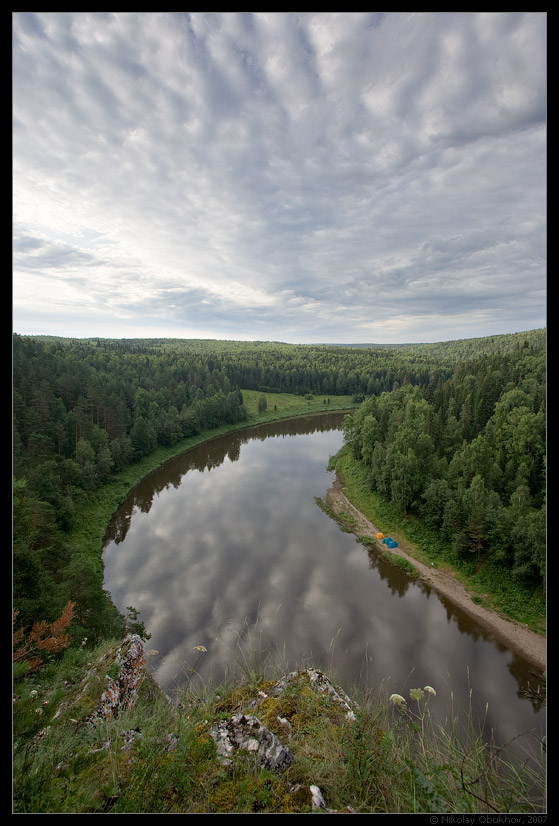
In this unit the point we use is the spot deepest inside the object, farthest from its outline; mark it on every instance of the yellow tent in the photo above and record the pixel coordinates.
(380, 536)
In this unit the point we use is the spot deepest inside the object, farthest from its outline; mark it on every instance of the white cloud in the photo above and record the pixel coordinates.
(306, 171)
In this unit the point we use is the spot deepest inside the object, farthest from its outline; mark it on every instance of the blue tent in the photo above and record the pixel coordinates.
(390, 542)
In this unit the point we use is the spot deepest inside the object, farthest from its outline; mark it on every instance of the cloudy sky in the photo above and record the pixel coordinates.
(291, 176)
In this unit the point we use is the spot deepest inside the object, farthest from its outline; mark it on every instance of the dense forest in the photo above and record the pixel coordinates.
(454, 432)
(467, 457)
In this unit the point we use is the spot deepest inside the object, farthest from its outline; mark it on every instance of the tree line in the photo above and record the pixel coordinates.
(469, 458)
(455, 432)
(81, 413)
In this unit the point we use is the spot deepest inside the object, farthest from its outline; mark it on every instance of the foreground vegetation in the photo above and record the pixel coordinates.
(158, 756)
(446, 452)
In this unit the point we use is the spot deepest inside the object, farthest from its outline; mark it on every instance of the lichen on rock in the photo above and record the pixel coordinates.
(320, 684)
(121, 689)
(244, 737)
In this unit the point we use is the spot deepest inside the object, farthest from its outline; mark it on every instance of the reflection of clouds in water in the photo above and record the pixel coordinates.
(241, 560)
(213, 545)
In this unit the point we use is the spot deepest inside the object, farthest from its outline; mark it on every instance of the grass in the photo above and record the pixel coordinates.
(345, 520)
(400, 562)
(284, 405)
(159, 757)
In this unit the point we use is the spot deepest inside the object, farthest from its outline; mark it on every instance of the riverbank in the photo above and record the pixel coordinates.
(90, 529)
(529, 645)
(94, 514)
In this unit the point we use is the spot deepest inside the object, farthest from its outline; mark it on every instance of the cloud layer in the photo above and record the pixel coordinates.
(278, 175)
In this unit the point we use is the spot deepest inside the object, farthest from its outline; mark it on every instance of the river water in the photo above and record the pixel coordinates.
(225, 547)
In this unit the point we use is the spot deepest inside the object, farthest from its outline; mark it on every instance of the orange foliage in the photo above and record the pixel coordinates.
(43, 637)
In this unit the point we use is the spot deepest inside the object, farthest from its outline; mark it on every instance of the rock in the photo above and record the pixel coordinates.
(122, 670)
(320, 684)
(312, 796)
(121, 690)
(130, 737)
(244, 736)
(317, 799)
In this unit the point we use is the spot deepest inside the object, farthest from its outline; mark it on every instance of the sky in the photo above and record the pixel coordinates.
(330, 177)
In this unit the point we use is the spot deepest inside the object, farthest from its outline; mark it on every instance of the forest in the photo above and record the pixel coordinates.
(454, 432)
(467, 458)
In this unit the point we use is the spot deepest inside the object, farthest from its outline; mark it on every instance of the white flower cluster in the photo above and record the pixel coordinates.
(415, 694)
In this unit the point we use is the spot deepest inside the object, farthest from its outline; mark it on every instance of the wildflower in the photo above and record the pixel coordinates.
(33, 693)
(397, 700)
(201, 648)
(430, 690)
(416, 694)
(152, 652)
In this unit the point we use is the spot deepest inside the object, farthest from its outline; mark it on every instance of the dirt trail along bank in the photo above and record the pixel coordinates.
(529, 645)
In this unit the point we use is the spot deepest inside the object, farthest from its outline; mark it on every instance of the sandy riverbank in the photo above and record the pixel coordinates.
(529, 645)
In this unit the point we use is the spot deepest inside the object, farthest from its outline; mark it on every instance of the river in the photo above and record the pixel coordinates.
(225, 548)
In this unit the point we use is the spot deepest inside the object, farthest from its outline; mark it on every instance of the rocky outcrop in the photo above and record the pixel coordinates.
(320, 684)
(120, 670)
(262, 732)
(126, 673)
(244, 737)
